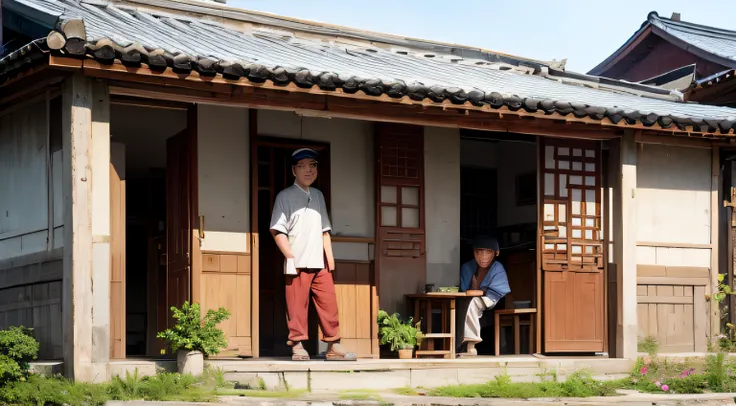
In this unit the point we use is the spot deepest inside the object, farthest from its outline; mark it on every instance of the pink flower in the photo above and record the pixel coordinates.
(643, 370)
(647, 360)
(665, 388)
(658, 384)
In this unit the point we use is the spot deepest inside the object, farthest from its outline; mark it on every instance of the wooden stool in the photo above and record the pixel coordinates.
(516, 314)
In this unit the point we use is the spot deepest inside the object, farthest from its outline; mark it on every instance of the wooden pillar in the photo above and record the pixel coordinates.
(624, 250)
(86, 186)
(715, 207)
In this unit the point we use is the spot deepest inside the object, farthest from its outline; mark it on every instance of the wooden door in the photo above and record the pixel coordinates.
(178, 221)
(400, 228)
(571, 241)
(117, 251)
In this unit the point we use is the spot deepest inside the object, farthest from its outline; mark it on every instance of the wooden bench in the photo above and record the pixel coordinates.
(516, 315)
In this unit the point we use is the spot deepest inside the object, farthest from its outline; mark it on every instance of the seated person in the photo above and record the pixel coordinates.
(486, 274)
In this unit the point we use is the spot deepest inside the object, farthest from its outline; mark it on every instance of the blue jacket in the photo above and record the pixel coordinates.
(495, 284)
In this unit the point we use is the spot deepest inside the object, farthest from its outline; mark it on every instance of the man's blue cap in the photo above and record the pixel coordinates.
(485, 242)
(304, 153)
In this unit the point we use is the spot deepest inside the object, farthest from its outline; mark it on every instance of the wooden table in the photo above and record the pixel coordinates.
(447, 302)
(516, 313)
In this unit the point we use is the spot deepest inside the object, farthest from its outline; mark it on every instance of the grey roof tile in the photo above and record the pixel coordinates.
(399, 71)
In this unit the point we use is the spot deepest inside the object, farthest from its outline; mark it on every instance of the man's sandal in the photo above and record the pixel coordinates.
(298, 353)
(336, 353)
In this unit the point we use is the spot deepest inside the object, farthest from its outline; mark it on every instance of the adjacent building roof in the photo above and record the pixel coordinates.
(214, 44)
(710, 43)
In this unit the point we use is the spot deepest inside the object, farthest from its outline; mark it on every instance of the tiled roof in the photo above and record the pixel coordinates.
(116, 32)
(715, 41)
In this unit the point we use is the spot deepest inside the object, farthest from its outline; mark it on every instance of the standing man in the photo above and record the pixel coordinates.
(300, 226)
(486, 274)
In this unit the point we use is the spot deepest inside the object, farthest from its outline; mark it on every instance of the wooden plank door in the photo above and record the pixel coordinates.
(571, 241)
(401, 265)
(178, 221)
(117, 251)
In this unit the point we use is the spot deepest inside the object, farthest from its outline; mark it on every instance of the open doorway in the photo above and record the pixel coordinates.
(498, 187)
(138, 225)
(273, 175)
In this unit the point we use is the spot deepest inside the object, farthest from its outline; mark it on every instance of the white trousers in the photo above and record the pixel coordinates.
(476, 308)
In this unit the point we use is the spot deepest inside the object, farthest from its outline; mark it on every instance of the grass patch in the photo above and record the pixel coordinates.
(360, 394)
(56, 390)
(579, 384)
(406, 391)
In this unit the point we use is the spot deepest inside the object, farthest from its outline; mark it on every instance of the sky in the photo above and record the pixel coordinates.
(584, 34)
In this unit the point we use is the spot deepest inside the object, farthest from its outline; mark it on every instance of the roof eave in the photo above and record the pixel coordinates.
(623, 50)
(693, 49)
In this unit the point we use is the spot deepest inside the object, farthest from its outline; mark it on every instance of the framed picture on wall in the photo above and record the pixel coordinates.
(526, 188)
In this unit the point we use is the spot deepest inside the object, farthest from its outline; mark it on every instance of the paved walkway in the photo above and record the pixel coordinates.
(395, 400)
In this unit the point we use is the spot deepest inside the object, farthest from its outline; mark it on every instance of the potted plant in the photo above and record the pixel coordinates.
(193, 337)
(401, 336)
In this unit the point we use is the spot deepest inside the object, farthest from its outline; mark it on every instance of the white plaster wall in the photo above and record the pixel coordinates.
(24, 194)
(673, 204)
(223, 163)
(442, 204)
(145, 145)
(352, 208)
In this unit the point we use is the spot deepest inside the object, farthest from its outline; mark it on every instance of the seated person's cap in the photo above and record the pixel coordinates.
(304, 153)
(485, 242)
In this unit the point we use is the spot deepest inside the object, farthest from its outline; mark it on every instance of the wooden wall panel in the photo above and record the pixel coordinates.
(355, 289)
(37, 306)
(226, 282)
(671, 307)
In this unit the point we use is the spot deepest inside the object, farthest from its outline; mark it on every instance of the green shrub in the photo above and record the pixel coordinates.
(17, 349)
(194, 333)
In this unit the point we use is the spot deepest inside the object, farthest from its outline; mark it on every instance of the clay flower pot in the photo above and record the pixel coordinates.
(190, 362)
(406, 353)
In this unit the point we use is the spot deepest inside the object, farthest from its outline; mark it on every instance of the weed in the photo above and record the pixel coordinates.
(648, 345)
(406, 391)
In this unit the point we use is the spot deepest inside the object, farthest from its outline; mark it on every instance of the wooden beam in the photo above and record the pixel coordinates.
(662, 139)
(218, 84)
(255, 309)
(149, 103)
(371, 111)
(672, 245)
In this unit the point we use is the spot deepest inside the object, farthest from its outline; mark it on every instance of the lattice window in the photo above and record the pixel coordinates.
(400, 158)
(571, 212)
(400, 190)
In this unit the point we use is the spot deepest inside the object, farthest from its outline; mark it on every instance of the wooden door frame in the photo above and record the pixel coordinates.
(195, 256)
(257, 140)
(196, 230)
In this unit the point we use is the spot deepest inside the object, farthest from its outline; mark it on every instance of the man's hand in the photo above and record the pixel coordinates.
(282, 241)
(327, 241)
